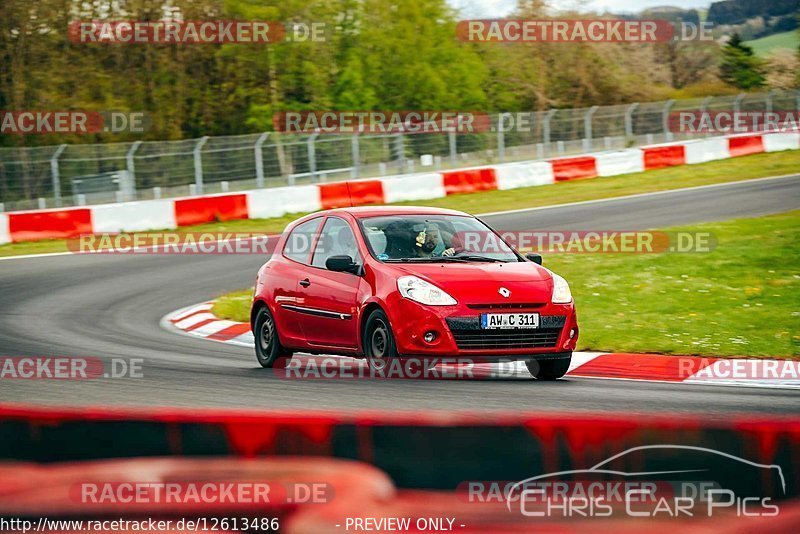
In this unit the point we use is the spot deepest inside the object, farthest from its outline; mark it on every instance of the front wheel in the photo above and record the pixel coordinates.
(378, 340)
(549, 369)
(268, 346)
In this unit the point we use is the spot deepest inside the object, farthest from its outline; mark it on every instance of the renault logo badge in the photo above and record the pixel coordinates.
(505, 292)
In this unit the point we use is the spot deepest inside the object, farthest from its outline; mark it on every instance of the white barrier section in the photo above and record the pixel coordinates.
(619, 162)
(5, 237)
(278, 201)
(413, 187)
(703, 150)
(133, 216)
(525, 174)
(775, 142)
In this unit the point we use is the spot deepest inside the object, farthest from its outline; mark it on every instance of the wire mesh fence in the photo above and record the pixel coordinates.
(68, 175)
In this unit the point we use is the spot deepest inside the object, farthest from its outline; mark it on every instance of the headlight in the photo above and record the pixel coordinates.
(561, 292)
(421, 291)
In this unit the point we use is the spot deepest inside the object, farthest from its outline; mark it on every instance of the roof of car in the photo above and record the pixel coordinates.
(374, 211)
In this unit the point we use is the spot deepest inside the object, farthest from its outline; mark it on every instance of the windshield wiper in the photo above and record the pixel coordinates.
(428, 259)
(436, 259)
(474, 257)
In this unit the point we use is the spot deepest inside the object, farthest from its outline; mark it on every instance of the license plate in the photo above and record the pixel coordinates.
(508, 321)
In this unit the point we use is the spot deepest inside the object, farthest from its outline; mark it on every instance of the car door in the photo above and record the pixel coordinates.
(327, 298)
(294, 267)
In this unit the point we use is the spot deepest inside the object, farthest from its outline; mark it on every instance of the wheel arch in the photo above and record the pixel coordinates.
(254, 309)
(366, 311)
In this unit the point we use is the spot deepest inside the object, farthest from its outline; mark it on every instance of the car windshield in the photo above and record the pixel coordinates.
(434, 238)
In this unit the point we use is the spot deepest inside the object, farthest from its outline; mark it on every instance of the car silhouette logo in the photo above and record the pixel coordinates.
(505, 292)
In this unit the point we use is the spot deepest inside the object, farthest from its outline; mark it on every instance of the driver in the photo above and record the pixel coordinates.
(429, 242)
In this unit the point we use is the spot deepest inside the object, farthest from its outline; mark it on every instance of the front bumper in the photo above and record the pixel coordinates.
(457, 332)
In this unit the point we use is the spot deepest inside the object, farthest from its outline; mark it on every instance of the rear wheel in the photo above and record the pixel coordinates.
(378, 340)
(549, 369)
(268, 346)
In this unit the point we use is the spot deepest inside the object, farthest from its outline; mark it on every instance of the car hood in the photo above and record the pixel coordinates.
(481, 283)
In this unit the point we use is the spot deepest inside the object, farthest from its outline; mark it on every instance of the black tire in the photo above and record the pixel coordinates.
(549, 369)
(378, 340)
(268, 346)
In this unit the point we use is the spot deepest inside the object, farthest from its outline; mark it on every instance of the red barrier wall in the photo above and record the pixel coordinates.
(664, 156)
(199, 210)
(744, 145)
(355, 193)
(469, 181)
(574, 168)
(56, 224)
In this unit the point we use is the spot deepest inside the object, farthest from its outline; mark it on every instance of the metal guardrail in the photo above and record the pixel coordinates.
(36, 177)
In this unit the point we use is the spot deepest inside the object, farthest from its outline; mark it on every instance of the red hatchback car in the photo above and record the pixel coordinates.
(388, 282)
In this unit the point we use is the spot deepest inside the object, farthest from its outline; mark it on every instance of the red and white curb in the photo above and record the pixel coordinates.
(198, 321)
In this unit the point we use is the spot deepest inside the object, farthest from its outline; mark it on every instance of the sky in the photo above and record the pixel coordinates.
(500, 8)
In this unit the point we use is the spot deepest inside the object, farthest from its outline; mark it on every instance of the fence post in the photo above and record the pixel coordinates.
(797, 99)
(665, 118)
(501, 137)
(260, 159)
(312, 157)
(768, 104)
(198, 165)
(55, 176)
(451, 138)
(587, 128)
(629, 120)
(354, 153)
(131, 182)
(401, 152)
(546, 129)
(737, 102)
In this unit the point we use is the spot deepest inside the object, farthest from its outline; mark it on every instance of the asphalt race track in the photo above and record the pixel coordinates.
(110, 306)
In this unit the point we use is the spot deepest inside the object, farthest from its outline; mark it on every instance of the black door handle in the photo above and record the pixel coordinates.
(305, 283)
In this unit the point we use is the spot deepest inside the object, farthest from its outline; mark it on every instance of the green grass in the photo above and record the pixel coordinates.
(766, 45)
(234, 306)
(731, 170)
(741, 299)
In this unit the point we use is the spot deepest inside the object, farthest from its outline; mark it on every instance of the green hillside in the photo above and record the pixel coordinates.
(766, 45)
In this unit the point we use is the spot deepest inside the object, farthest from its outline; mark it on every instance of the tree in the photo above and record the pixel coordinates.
(740, 67)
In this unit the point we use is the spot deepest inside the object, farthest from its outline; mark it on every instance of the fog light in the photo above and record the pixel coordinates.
(429, 337)
(572, 333)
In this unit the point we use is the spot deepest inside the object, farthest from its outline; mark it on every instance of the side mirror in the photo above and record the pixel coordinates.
(534, 257)
(342, 264)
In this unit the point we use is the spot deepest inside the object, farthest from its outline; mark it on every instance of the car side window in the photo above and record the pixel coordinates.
(300, 240)
(336, 239)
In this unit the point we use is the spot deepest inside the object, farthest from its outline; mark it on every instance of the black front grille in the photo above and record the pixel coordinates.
(469, 335)
(507, 339)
